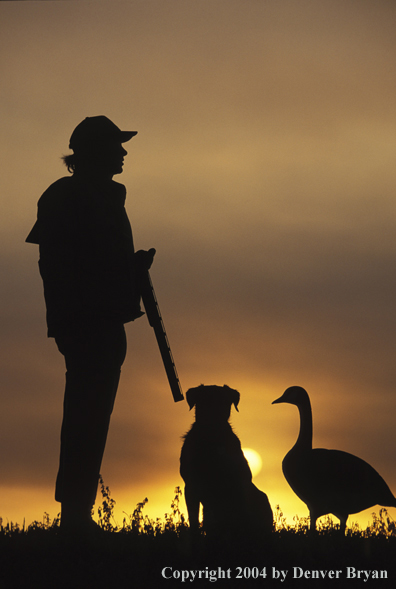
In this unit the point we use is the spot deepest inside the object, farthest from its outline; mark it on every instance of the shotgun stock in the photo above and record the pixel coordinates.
(155, 320)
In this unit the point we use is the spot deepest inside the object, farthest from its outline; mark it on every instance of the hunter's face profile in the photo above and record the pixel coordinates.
(110, 158)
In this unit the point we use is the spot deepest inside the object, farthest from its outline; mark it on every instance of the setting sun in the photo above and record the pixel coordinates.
(254, 460)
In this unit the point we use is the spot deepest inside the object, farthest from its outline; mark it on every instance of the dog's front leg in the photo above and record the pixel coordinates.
(192, 502)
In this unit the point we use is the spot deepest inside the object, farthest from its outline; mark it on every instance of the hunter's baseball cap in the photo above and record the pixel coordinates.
(97, 130)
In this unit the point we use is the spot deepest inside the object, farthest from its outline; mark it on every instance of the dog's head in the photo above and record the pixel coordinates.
(212, 402)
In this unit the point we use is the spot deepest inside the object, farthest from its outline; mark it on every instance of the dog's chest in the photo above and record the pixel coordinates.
(208, 454)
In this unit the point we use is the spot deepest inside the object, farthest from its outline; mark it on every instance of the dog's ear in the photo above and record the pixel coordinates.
(234, 396)
(192, 396)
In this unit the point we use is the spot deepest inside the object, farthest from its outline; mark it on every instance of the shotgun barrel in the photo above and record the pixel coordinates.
(155, 320)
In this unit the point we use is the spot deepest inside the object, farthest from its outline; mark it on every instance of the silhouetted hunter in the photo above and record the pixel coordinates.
(329, 481)
(88, 266)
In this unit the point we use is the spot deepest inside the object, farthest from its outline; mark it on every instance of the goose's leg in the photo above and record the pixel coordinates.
(343, 521)
(313, 518)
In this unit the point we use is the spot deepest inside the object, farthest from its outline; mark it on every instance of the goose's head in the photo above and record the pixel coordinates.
(293, 395)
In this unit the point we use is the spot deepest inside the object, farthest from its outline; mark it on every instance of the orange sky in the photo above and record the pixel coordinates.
(263, 173)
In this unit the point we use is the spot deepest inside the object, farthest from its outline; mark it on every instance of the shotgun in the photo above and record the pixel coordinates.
(155, 320)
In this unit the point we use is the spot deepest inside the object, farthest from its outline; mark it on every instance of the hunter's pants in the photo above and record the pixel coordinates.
(93, 356)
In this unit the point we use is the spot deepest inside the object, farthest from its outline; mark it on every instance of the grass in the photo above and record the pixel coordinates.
(135, 552)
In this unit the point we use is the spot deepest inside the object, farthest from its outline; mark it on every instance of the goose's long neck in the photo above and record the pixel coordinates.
(304, 440)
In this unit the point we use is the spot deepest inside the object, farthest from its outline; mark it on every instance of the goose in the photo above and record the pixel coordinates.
(329, 481)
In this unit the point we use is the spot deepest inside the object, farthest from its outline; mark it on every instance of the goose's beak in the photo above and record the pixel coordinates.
(280, 400)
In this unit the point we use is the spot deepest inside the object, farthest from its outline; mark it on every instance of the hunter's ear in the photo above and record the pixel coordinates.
(234, 396)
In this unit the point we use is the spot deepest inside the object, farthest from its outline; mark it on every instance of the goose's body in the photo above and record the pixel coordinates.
(329, 481)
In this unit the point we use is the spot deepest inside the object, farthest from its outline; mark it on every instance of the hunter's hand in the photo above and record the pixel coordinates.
(144, 258)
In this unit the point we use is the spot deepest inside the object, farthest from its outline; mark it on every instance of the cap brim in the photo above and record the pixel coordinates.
(127, 135)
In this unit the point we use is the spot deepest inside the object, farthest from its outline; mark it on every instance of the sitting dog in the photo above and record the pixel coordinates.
(216, 472)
